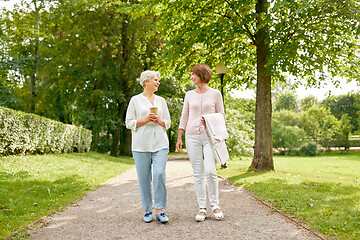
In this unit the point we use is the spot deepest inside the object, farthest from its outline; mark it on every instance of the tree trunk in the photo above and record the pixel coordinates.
(172, 142)
(32, 91)
(117, 134)
(263, 155)
(128, 44)
(125, 142)
(35, 65)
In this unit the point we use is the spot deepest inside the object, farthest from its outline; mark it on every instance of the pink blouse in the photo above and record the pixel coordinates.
(196, 105)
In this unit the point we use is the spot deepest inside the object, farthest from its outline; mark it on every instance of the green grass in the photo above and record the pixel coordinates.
(323, 192)
(34, 186)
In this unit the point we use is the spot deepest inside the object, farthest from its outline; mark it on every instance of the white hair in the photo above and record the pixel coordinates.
(147, 75)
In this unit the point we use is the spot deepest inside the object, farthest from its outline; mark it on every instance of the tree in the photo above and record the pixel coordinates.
(344, 132)
(320, 125)
(240, 126)
(347, 104)
(287, 135)
(346, 109)
(107, 46)
(22, 37)
(286, 100)
(90, 55)
(308, 102)
(263, 40)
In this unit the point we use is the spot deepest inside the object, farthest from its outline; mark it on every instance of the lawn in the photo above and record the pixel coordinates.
(34, 186)
(322, 191)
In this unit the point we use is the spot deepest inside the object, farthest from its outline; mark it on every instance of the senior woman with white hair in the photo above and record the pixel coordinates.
(150, 144)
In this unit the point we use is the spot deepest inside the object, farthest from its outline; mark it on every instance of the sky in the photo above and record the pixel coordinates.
(8, 4)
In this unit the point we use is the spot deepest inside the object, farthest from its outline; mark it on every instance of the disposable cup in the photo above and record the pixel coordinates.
(154, 110)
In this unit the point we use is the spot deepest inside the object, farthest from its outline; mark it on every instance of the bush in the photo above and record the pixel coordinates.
(309, 149)
(286, 133)
(241, 134)
(24, 133)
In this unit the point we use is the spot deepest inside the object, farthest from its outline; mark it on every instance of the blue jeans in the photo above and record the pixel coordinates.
(146, 163)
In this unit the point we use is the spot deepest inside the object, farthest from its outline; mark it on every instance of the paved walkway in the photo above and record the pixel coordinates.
(114, 212)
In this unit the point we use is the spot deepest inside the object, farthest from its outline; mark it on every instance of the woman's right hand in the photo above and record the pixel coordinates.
(151, 117)
(179, 145)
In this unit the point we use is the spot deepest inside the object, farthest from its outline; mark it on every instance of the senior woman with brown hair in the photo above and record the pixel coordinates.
(150, 144)
(202, 100)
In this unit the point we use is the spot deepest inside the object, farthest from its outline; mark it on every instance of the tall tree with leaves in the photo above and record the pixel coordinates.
(262, 40)
(90, 55)
(21, 43)
(107, 48)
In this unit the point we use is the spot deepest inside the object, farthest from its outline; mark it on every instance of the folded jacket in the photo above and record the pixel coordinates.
(216, 133)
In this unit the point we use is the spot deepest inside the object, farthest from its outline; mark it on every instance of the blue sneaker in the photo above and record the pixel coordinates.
(148, 217)
(162, 217)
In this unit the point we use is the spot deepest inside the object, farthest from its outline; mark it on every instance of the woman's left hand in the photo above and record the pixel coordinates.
(158, 120)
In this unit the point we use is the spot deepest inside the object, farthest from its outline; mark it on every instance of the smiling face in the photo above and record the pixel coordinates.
(195, 79)
(153, 83)
(200, 74)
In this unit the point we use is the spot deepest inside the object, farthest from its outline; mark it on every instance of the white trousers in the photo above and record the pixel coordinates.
(203, 164)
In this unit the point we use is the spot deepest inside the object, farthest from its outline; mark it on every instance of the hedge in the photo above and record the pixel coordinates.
(25, 133)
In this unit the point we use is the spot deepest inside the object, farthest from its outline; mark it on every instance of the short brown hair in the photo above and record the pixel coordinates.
(203, 71)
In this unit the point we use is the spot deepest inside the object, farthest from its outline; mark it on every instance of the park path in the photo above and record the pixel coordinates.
(114, 212)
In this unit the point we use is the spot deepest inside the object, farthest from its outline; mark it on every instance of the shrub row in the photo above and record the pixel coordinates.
(24, 133)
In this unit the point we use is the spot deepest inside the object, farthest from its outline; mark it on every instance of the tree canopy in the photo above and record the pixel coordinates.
(262, 42)
(77, 61)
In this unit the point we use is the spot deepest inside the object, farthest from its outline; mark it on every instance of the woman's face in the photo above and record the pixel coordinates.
(195, 78)
(153, 83)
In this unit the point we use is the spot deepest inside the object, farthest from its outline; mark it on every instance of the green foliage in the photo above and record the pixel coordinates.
(286, 100)
(323, 192)
(303, 41)
(84, 58)
(309, 44)
(354, 141)
(286, 138)
(187, 45)
(342, 140)
(32, 187)
(320, 125)
(263, 41)
(175, 108)
(6, 97)
(28, 133)
(309, 149)
(240, 126)
(288, 117)
(287, 135)
(348, 104)
(241, 134)
(294, 131)
(308, 102)
(315, 123)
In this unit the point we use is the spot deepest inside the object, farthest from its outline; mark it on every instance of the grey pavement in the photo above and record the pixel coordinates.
(114, 212)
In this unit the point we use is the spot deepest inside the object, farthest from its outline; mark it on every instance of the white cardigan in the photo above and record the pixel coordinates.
(216, 133)
(150, 137)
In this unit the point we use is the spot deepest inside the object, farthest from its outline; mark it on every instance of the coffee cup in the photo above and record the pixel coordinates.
(154, 110)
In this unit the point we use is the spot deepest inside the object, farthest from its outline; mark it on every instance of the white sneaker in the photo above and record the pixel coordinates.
(201, 218)
(219, 215)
